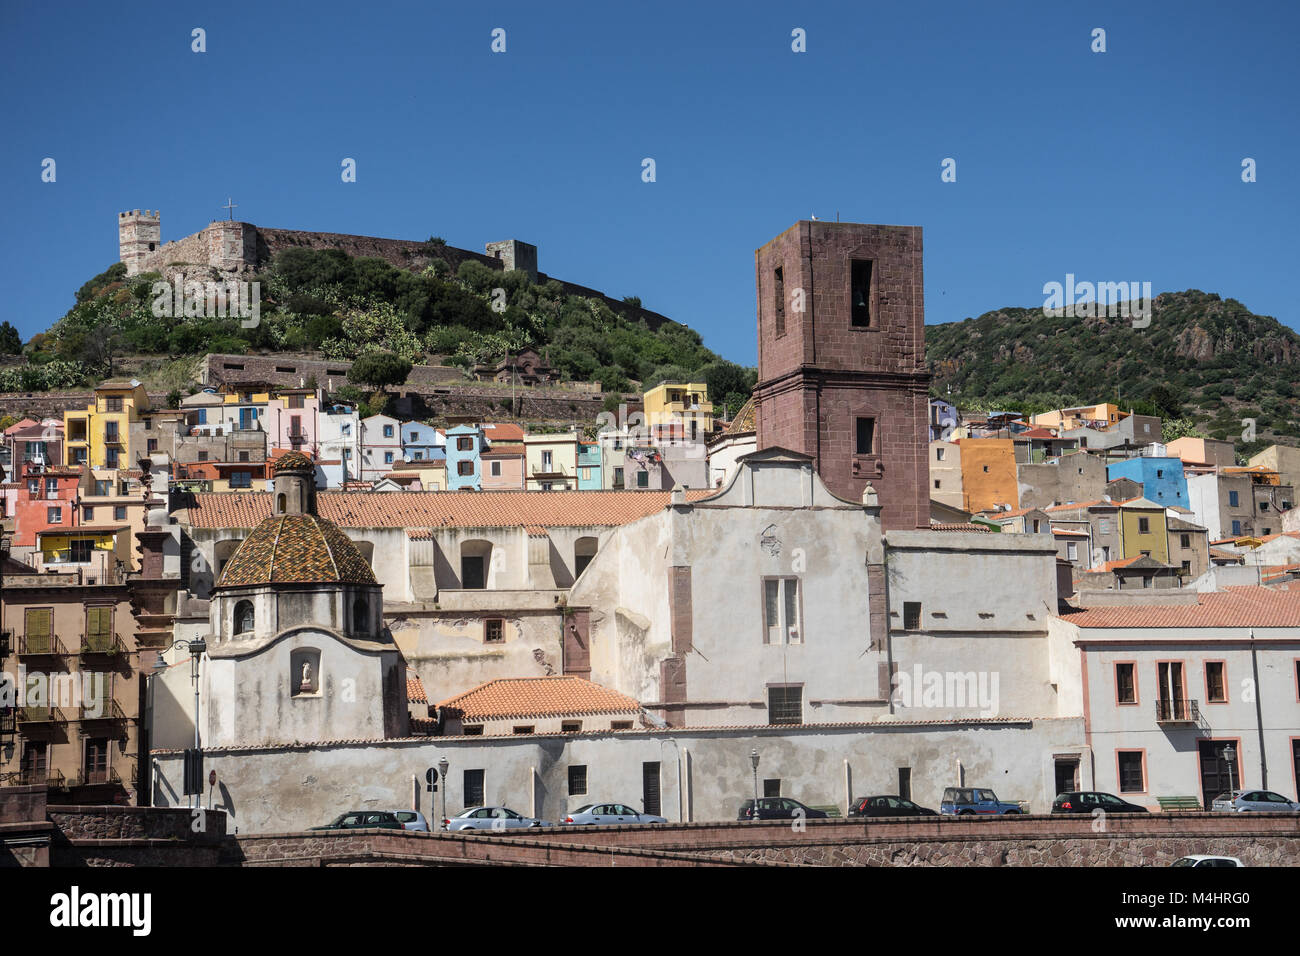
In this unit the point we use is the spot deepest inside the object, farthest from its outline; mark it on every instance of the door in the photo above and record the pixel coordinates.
(1171, 691)
(1067, 774)
(905, 783)
(1215, 775)
(471, 572)
(650, 788)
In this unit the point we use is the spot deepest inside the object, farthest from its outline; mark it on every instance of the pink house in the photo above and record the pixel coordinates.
(291, 420)
(503, 467)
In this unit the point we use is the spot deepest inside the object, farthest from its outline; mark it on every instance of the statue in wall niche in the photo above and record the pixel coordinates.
(306, 676)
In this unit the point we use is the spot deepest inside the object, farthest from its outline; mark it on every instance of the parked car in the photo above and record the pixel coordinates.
(597, 814)
(1200, 859)
(492, 818)
(888, 806)
(779, 808)
(975, 800)
(1241, 801)
(411, 819)
(363, 819)
(1086, 801)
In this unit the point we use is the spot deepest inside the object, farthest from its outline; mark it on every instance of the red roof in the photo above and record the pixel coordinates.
(415, 690)
(1234, 607)
(538, 697)
(503, 432)
(437, 509)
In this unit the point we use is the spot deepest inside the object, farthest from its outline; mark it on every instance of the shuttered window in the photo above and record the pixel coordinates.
(99, 621)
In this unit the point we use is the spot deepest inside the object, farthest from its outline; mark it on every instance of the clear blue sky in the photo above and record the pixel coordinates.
(1117, 166)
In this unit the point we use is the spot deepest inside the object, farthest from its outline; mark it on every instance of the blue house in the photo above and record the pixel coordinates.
(1162, 478)
(421, 442)
(589, 466)
(465, 447)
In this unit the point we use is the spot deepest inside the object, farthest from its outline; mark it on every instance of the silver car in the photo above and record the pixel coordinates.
(492, 818)
(596, 814)
(1240, 801)
(411, 820)
(1201, 859)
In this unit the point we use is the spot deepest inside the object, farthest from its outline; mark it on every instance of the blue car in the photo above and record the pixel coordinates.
(963, 801)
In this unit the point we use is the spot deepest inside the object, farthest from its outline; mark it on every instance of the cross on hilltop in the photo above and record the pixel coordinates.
(230, 204)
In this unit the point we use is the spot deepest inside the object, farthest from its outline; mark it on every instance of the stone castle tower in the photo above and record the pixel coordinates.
(841, 360)
(138, 235)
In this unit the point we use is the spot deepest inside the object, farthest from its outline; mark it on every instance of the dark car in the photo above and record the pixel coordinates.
(778, 808)
(364, 819)
(888, 806)
(1088, 801)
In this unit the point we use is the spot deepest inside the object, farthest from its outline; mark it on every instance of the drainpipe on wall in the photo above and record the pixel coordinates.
(1259, 713)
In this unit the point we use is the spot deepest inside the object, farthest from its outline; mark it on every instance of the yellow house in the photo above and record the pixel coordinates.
(1143, 530)
(551, 462)
(686, 406)
(1080, 416)
(988, 474)
(92, 549)
(101, 433)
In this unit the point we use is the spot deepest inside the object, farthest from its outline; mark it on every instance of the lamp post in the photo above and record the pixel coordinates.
(197, 648)
(442, 772)
(753, 760)
(1230, 755)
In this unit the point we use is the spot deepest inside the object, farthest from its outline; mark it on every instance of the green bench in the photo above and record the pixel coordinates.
(1168, 804)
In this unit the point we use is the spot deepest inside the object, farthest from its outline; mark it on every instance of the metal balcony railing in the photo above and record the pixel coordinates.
(41, 715)
(41, 645)
(102, 644)
(1176, 710)
(36, 776)
(108, 710)
(90, 778)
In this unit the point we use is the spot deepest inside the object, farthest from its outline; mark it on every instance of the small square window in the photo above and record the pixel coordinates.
(785, 705)
(119, 513)
(494, 631)
(570, 726)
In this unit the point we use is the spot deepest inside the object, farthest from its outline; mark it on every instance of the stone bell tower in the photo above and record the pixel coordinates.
(295, 485)
(841, 360)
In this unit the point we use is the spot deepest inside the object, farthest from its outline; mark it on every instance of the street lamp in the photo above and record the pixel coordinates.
(442, 772)
(197, 649)
(1230, 755)
(753, 760)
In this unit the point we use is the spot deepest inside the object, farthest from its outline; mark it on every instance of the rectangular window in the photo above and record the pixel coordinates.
(297, 401)
(772, 786)
(464, 468)
(866, 437)
(570, 726)
(241, 479)
(620, 725)
(1130, 772)
(152, 445)
(938, 454)
(87, 514)
(860, 293)
(781, 624)
(523, 729)
(1144, 525)
(1072, 550)
(494, 631)
(111, 457)
(474, 788)
(243, 456)
(785, 704)
(618, 477)
(82, 549)
(911, 615)
(388, 431)
(1216, 686)
(97, 759)
(54, 515)
(577, 780)
(936, 484)
(203, 456)
(388, 458)
(1184, 540)
(1236, 527)
(643, 479)
(464, 443)
(111, 433)
(99, 622)
(496, 469)
(37, 623)
(1126, 683)
(472, 572)
(1232, 499)
(113, 404)
(548, 461)
(475, 730)
(119, 513)
(778, 299)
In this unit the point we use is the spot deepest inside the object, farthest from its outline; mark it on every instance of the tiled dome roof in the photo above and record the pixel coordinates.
(293, 461)
(296, 549)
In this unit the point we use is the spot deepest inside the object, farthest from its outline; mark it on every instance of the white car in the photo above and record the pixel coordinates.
(1200, 859)
(1241, 801)
(411, 820)
(607, 813)
(492, 818)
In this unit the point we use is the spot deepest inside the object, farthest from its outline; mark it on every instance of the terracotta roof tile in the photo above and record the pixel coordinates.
(511, 698)
(415, 690)
(1234, 607)
(299, 549)
(743, 423)
(436, 509)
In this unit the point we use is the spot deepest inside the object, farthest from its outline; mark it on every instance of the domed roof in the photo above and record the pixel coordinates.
(293, 461)
(296, 549)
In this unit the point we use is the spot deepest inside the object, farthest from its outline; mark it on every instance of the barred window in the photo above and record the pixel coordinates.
(577, 780)
(785, 704)
(912, 615)
(473, 788)
(494, 631)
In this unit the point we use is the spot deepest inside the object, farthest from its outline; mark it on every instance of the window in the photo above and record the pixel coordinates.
(119, 513)
(785, 704)
(111, 457)
(419, 456)
(87, 514)
(96, 765)
(360, 616)
(347, 454)
(866, 437)
(618, 477)
(939, 453)
(388, 458)
(1131, 777)
(781, 623)
(620, 725)
(241, 479)
(99, 624)
(81, 550)
(464, 443)
(643, 479)
(37, 624)
(113, 404)
(297, 401)
(1236, 527)
(1184, 540)
(1216, 686)
(475, 730)
(778, 299)
(111, 433)
(494, 631)
(345, 428)
(244, 617)
(152, 445)
(911, 615)
(936, 483)
(577, 780)
(473, 788)
(464, 468)
(1160, 472)
(1145, 554)
(1187, 567)
(1233, 501)
(570, 726)
(472, 568)
(496, 469)
(772, 787)
(548, 461)
(1126, 683)
(203, 456)
(523, 729)
(243, 456)
(1263, 506)
(1144, 525)
(388, 431)
(54, 515)
(1072, 550)
(986, 469)
(860, 293)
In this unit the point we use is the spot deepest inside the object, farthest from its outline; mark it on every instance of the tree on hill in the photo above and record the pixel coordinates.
(379, 370)
(11, 342)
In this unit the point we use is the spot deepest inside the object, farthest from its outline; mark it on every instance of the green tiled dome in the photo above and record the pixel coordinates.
(296, 549)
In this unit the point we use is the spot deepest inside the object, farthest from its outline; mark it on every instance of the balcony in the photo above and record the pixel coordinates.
(41, 717)
(550, 471)
(108, 711)
(40, 645)
(91, 778)
(1177, 711)
(36, 776)
(104, 644)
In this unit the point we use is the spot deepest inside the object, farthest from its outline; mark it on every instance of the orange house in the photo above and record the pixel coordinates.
(988, 474)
